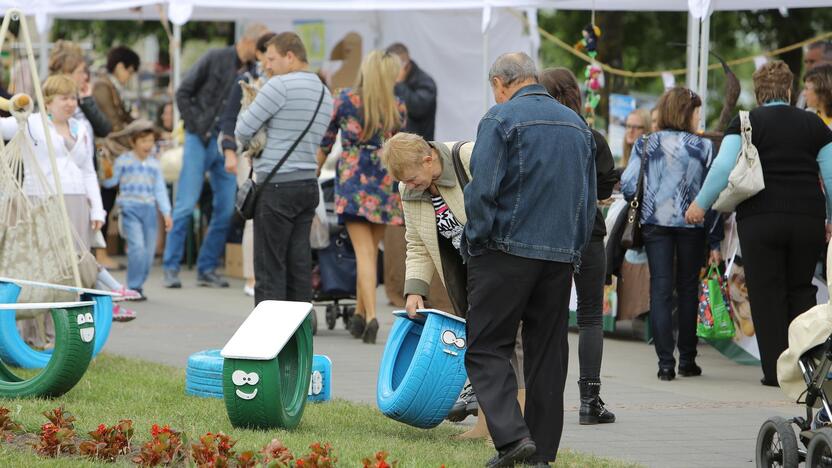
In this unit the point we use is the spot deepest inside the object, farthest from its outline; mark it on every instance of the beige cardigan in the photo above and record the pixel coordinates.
(420, 221)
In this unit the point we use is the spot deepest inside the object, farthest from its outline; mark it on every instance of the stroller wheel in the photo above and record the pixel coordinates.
(777, 444)
(347, 312)
(331, 316)
(819, 451)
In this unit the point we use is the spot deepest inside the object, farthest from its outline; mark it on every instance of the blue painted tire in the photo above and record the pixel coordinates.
(202, 382)
(421, 375)
(202, 394)
(208, 360)
(15, 352)
(203, 375)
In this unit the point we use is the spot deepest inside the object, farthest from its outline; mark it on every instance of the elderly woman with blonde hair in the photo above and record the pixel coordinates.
(432, 177)
(365, 201)
(781, 229)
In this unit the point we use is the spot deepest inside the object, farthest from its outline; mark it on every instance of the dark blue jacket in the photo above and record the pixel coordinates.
(533, 187)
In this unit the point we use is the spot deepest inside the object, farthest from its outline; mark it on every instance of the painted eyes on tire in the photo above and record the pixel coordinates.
(84, 318)
(449, 338)
(240, 377)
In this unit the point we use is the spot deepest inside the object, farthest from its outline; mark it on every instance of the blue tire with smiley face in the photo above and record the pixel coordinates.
(270, 394)
(15, 352)
(422, 369)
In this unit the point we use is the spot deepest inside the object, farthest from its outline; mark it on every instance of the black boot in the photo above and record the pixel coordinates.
(592, 407)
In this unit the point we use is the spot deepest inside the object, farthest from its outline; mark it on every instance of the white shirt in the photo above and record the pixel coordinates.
(75, 168)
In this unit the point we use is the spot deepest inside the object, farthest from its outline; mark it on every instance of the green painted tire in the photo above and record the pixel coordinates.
(70, 358)
(276, 397)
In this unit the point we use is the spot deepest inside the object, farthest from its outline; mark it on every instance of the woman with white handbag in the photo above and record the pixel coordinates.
(771, 177)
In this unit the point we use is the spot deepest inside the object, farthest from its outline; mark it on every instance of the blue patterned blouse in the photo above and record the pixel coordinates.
(677, 163)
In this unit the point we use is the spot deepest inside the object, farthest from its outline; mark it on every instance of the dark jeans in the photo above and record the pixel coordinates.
(779, 253)
(282, 255)
(504, 290)
(589, 284)
(687, 247)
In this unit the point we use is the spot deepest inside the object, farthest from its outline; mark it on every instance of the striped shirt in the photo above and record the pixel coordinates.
(285, 105)
(139, 181)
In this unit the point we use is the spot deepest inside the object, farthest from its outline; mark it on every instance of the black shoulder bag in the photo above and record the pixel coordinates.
(461, 175)
(248, 193)
(631, 237)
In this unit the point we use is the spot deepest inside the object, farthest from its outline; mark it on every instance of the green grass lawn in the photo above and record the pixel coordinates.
(117, 388)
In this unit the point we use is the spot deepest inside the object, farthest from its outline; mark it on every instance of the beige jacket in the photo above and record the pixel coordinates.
(420, 221)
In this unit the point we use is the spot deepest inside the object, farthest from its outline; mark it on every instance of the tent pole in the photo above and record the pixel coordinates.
(704, 48)
(485, 66)
(43, 50)
(177, 68)
(693, 51)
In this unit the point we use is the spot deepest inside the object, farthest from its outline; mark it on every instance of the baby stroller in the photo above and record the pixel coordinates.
(776, 441)
(333, 269)
(803, 372)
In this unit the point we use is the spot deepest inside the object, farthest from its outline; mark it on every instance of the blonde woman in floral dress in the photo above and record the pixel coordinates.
(365, 198)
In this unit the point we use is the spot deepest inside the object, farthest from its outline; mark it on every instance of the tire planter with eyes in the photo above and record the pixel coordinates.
(267, 367)
(13, 349)
(74, 335)
(422, 369)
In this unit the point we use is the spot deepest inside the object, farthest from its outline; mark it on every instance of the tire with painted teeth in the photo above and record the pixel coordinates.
(270, 394)
(15, 352)
(69, 360)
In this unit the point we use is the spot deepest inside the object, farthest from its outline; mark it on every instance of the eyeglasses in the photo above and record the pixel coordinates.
(634, 127)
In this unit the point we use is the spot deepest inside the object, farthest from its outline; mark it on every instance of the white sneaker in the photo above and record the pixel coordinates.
(248, 290)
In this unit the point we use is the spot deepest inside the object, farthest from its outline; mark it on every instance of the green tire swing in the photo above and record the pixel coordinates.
(268, 365)
(74, 343)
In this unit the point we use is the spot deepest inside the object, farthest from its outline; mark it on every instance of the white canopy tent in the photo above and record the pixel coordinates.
(454, 40)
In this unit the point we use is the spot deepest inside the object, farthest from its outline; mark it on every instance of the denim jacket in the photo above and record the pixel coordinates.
(677, 163)
(532, 192)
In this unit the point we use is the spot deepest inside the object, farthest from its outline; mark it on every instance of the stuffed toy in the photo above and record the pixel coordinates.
(590, 33)
(256, 145)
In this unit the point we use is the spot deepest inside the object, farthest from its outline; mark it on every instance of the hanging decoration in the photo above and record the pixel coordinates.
(593, 73)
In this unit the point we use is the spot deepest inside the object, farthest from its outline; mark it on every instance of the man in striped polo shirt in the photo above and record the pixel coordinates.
(283, 217)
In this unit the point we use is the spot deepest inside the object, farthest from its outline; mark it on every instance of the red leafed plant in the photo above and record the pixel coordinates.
(276, 455)
(107, 443)
(166, 447)
(8, 426)
(320, 456)
(379, 461)
(247, 459)
(213, 450)
(58, 435)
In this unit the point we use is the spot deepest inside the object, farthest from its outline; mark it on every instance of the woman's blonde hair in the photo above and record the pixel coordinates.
(772, 82)
(57, 85)
(646, 122)
(375, 86)
(404, 151)
(821, 79)
(65, 58)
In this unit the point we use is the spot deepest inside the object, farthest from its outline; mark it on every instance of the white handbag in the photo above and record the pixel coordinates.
(746, 178)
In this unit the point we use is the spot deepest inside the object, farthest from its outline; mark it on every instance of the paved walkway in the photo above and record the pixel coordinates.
(708, 421)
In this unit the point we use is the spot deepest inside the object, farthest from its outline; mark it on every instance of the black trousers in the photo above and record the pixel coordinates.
(589, 285)
(779, 253)
(282, 255)
(504, 290)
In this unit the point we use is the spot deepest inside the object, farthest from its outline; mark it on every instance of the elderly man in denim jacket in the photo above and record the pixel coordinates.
(530, 208)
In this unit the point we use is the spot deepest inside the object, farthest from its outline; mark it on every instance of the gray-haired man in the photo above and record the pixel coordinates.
(530, 213)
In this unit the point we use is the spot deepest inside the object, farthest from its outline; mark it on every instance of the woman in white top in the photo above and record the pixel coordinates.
(73, 145)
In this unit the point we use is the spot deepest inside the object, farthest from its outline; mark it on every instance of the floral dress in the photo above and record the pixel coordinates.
(363, 188)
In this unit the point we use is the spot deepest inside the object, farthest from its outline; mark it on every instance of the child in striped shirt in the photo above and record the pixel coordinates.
(141, 190)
